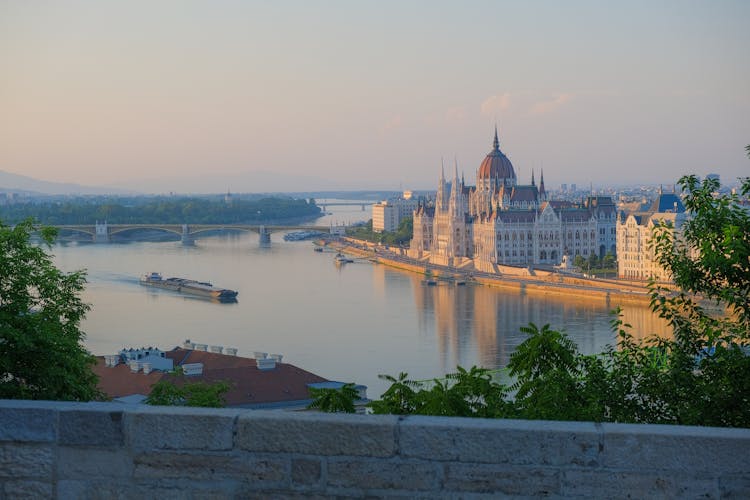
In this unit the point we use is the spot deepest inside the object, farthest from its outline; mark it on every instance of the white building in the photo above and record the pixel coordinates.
(636, 258)
(387, 214)
(500, 222)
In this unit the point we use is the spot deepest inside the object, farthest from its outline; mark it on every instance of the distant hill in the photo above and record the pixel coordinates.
(28, 185)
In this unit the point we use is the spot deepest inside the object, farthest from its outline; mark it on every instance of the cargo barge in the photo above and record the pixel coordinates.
(183, 285)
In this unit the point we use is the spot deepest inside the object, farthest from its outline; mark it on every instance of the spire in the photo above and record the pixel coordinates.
(496, 142)
(532, 178)
(542, 194)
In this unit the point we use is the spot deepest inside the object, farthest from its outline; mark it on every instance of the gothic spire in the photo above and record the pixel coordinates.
(532, 178)
(496, 142)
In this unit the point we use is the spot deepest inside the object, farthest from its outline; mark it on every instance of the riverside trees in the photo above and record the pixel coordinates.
(700, 376)
(41, 352)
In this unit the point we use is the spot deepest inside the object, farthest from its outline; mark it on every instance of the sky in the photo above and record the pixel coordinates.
(215, 95)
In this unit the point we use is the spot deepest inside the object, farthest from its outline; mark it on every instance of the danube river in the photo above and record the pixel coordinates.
(347, 323)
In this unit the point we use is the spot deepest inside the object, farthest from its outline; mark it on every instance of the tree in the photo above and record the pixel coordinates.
(41, 351)
(202, 394)
(339, 400)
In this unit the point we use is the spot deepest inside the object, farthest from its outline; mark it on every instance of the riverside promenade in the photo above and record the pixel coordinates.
(536, 281)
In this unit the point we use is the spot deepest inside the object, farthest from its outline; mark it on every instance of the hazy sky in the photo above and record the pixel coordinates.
(372, 93)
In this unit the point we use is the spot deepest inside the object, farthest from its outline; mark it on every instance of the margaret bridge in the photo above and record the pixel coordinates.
(101, 232)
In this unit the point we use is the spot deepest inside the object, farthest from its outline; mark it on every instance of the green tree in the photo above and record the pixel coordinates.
(339, 400)
(41, 351)
(201, 394)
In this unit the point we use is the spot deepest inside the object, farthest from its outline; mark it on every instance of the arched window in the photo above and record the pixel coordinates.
(578, 235)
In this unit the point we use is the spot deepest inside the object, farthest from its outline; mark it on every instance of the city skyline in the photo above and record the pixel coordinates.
(191, 96)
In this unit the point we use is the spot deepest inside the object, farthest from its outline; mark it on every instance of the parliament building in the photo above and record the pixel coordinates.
(501, 222)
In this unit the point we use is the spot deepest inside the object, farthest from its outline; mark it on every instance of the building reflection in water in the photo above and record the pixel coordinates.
(481, 325)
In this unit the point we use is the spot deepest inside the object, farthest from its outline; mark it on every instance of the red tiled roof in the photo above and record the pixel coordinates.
(249, 385)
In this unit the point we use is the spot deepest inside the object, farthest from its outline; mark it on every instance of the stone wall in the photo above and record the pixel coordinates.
(108, 450)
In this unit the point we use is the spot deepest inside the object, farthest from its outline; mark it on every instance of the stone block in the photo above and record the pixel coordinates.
(29, 420)
(151, 428)
(211, 466)
(369, 474)
(317, 433)
(502, 479)
(18, 490)
(705, 450)
(27, 461)
(520, 442)
(735, 486)
(95, 489)
(99, 425)
(306, 471)
(642, 483)
(82, 463)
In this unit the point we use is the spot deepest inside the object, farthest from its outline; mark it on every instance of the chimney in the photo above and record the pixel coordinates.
(266, 364)
(146, 368)
(217, 349)
(276, 357)
(260, 355)
(201, 347)
(231, 351)
(135, 366)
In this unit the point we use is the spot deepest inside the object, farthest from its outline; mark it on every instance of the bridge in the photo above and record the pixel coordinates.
(101, 232)
(323, 205)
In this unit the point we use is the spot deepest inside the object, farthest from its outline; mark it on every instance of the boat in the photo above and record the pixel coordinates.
(342, 259)
(301, 235)
(318, 249)
(183, 285)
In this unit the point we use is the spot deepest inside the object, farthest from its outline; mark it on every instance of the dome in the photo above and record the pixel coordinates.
(496, 165)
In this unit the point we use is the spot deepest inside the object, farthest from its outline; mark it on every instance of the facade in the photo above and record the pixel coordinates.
(387, 214)
(635, 232)
(502, 222)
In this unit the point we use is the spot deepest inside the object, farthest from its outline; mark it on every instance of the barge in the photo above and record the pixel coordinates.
(183, 285)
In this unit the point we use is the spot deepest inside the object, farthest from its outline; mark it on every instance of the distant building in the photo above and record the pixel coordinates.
(387, 214)
(259, 382)
(502, 222)
(636, 258)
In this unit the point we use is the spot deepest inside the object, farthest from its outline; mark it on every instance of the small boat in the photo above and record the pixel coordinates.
(183, 285)
(318, 249)
(342, 259)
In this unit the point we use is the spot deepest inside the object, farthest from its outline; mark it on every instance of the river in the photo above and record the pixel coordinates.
(347, 323)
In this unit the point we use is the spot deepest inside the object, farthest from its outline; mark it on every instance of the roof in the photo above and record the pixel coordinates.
(496, 165)
(250, 386)
(524, 193)
(667, 202)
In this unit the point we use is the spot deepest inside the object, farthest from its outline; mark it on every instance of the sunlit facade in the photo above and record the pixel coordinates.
(500, 222)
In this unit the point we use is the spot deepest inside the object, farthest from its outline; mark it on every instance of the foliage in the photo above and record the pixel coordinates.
(339, 400)
(163, 210)
(167, 393)
(700, 376)
(41, 351)
(401, 236)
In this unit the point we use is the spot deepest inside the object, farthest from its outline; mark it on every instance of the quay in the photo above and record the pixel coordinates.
(537, 281)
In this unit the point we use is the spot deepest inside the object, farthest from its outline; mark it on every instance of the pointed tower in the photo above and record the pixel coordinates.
(456, 204)
(440, 200)
(542, 193)
(532, 178)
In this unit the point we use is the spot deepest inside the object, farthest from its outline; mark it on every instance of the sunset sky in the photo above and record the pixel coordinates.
(371, 94)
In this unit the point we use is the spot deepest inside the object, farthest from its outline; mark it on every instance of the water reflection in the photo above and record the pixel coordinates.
(476, 324)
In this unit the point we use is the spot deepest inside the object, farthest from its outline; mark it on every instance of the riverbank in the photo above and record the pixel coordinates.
(538, 281)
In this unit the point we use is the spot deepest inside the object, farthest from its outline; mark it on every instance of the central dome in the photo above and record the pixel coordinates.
(496, 165)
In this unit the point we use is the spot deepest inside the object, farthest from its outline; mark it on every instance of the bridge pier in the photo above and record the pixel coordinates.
(264, 236)
(101, 232)
(187, 238)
